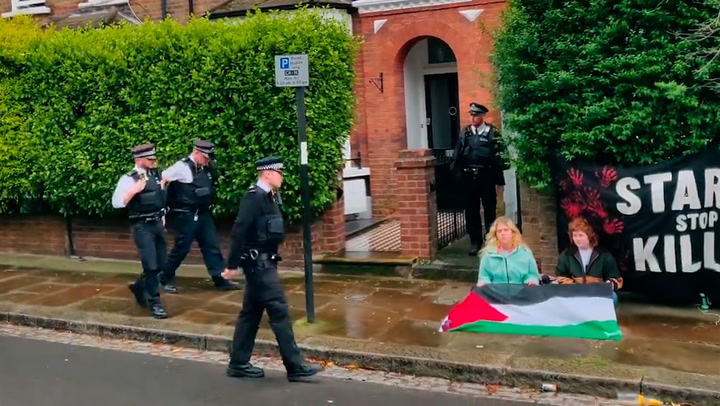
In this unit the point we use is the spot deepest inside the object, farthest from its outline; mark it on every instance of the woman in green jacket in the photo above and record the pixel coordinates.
(505, 258)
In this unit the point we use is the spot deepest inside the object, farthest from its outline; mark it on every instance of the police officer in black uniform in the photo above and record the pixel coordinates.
(478, 164)
(141, 192)
(191, 183)
(257, 233)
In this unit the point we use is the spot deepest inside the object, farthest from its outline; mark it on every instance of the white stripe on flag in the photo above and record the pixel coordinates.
(560, 311)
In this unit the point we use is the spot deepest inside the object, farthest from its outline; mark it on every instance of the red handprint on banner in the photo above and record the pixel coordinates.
(613, 226)
(607, 176)
(572, 207)
(576, 177)
(564, 185)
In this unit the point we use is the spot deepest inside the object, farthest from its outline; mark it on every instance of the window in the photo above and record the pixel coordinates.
(27, 7)
(439, 51)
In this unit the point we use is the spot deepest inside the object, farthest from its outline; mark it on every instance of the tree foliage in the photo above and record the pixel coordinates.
(73, 103)
(616, 81)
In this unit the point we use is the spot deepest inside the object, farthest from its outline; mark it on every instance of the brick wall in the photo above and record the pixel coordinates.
(539, 226)
(383, 129)
(110, 238)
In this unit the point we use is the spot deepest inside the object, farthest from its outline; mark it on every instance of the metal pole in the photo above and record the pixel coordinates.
(307, 213)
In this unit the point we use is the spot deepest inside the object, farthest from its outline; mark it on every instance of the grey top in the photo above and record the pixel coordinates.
(179, 171)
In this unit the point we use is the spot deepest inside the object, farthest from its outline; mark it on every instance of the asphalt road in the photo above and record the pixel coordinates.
(40, 373)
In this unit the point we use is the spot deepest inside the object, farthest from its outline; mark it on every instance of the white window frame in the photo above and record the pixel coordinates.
(27, 7)
(99, 3)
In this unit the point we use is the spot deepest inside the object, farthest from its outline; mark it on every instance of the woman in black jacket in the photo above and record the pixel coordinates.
(585, 262)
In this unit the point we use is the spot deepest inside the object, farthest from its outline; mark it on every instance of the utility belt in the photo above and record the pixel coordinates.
(197, 212)
(149, 218)
(476, 169)
(255, 255)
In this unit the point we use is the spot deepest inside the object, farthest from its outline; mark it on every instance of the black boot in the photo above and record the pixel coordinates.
(224, 284)
(139, 294)
(168, 284)
(474, 249)
(245, 371)
(158, 311)
(303, 371)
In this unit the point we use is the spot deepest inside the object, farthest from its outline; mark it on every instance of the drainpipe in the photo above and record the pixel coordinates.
(163, 9)
(191, 7)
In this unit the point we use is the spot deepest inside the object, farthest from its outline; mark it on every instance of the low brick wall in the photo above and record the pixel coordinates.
(110, 238)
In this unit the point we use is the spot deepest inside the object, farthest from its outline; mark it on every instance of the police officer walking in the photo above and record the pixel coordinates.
(191, 191)
(478, 164)
(257, 233)
(141, 192)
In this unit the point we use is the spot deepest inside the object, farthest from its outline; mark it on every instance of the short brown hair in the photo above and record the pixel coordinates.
(580, 224)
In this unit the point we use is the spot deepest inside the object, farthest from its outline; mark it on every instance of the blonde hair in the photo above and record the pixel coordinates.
(491, 240)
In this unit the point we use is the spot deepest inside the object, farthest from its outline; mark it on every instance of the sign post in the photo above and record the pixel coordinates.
(294, 71)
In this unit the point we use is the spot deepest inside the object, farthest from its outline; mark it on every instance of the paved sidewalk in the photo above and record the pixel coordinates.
(387, 316)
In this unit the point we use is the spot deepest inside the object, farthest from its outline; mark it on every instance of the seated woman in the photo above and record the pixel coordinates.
(505, 258)
(585, 262)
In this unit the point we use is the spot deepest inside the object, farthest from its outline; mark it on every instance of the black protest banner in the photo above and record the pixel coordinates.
(659, 221)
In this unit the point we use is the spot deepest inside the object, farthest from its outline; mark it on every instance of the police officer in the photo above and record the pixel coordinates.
(191, 184)
(478, 164)
(258, 231)
(141, 192)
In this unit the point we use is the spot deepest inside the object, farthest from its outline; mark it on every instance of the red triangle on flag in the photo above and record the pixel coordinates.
(472, 309)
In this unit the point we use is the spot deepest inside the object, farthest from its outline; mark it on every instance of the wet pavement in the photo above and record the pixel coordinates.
(55, 374)
(389, 315)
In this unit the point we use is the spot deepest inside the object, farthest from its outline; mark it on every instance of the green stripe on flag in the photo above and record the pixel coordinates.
(593, 330)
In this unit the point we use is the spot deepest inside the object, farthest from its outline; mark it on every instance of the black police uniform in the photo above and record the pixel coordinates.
(479, 166)
(190, 218)
(145, 211)
(257, 233)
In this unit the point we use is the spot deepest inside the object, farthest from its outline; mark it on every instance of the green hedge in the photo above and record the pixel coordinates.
(72, 103)
(617, 81)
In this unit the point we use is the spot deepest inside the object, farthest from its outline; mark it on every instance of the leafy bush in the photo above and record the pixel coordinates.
(86, 97)
(612, 80)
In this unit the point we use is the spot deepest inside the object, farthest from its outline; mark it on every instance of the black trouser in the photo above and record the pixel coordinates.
(149, 238)
(479, 187)
(263, 291)
(187, 230)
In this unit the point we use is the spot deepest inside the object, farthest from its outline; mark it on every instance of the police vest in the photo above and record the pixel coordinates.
(269, 230)
(479, 149)
(150, 201)
(196, 195)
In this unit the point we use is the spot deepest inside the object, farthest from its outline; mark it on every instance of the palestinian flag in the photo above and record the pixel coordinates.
(577, 311)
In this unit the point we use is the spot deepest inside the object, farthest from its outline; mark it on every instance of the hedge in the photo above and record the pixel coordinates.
(73, 103)
(617, 81)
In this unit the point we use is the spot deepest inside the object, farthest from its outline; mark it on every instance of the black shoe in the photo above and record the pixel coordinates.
(139, 295)
(224, 284)
(158, 311)
(245, 371)
(170, 288)
(474, 249)
(303, 371)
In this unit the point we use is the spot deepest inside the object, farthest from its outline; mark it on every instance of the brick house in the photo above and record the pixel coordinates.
(422, 62)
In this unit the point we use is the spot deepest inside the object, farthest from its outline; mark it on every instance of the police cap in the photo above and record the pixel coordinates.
(206, 147)
(144, 151)
(477, 109)
(269, 164)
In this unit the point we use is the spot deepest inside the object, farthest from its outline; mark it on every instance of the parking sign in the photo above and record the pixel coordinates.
(292, 71)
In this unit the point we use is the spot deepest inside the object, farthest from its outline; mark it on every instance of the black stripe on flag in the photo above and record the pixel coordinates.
(504, 293)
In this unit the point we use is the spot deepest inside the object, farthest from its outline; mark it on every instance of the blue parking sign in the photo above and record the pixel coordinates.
(284, 63)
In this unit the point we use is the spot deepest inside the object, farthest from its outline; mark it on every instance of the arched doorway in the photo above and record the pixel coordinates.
(432, 116)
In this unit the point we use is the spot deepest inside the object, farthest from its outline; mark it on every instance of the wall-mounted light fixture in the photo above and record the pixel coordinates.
(378, 82)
